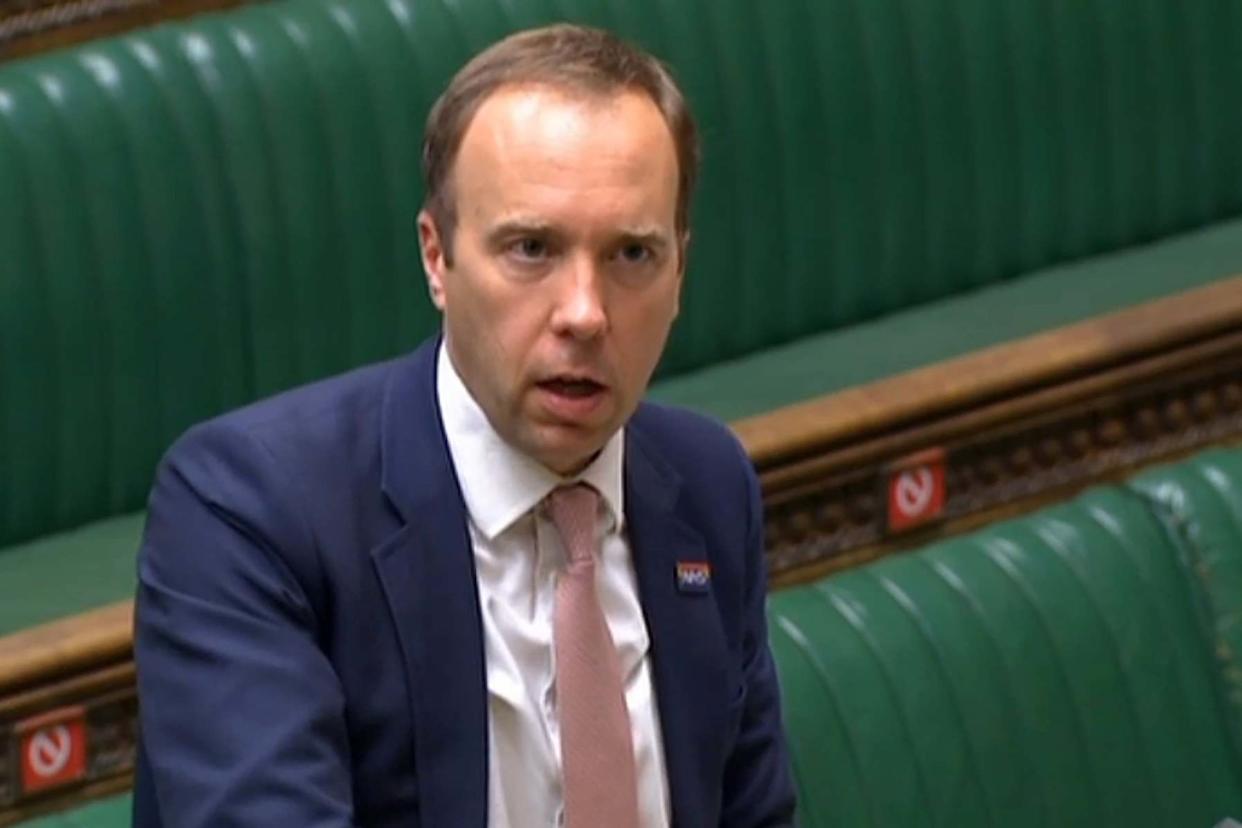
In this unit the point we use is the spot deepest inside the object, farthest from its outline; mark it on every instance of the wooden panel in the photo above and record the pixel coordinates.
(72, 679)
(92, 717)
(68, 646)
(30, 26)
(1011, 427)
(1005, 372)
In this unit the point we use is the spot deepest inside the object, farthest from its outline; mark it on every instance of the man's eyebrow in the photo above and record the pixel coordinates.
(520, 227)
(517, 227)
(652, 238)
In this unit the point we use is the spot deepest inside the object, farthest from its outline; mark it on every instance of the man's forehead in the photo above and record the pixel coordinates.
(538, 138)
(539, 117)
(553, 108)
(529, 96)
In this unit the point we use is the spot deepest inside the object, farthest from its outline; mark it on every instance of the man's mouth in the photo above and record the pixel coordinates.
(572, 387)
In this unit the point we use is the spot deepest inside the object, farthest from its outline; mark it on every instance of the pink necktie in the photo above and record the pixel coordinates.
(597, 752)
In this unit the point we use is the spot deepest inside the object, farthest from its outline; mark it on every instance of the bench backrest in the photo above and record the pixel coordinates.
(1199, 502)
(202, 213)
(1069, 668)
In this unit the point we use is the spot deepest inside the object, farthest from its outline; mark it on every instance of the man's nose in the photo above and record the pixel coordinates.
(580, 310)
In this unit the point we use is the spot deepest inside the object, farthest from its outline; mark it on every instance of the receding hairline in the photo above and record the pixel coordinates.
(587, 96)
(562, 93)
(636, 154)
(580, 63)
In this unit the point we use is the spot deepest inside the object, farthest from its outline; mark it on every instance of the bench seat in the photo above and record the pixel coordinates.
(1077, 667)
(68, 573)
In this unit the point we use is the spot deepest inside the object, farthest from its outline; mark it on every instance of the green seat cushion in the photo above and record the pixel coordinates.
(114, 812)
(68, 573)
(940, 330)
(1200, 502)
(1044, 671)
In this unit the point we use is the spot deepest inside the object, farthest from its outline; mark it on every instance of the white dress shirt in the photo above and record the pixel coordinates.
(517, 555)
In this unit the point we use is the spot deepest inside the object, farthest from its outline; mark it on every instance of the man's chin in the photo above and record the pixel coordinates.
(566, 451)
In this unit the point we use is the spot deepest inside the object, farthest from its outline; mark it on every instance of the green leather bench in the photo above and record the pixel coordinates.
(1078, 667)
(202, 213)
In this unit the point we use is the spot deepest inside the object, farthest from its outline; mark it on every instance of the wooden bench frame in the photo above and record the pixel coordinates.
(77, 671)
(1002, 431)
(27, 27)
(846, 478)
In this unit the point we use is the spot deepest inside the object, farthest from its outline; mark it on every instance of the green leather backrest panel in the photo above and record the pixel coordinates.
(202, 213)
(122, 307)
(195, 216)
(1046, 672)
(1200, 503)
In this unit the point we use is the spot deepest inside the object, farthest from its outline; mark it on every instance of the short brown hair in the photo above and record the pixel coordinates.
(564, 55)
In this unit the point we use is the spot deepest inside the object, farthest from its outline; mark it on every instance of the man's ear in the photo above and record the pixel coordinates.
(434, 257)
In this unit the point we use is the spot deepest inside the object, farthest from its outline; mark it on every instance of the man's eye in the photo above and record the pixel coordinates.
(529, 248)
(634, 253)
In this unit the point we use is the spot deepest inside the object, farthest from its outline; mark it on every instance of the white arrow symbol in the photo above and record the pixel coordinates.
(50, 750)
(914, 491)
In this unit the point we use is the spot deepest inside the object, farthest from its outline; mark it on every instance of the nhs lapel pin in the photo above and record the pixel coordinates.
(694, 577)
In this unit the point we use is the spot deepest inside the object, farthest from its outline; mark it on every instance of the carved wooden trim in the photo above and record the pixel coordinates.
(30, 26)
(977, 438)
(1010, 428)
(64, 647)
(80, 734)
(72, 679)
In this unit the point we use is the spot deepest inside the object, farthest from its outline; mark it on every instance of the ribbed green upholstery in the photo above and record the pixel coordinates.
(1049, 671)
(197, 225)
(1200, 502)
(198, 214)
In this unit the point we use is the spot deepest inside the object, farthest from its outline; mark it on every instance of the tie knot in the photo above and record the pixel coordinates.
(573, 511)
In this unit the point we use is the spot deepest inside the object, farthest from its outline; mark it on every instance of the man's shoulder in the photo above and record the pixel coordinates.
(320, 417)
(687, 440)
(670, 421)
(356, 390)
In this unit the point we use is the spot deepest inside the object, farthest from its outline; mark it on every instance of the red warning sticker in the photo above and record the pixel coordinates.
(53, 749)
(916, 490)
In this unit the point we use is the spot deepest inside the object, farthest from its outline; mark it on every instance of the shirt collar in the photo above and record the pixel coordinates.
(498, 482)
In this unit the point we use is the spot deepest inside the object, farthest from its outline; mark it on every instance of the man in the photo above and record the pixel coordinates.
(480, 585)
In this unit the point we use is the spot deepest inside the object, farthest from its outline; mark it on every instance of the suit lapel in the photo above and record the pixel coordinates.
(427, 572)
(693, 673)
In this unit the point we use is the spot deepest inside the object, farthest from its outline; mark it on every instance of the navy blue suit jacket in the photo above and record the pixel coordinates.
(308, 637)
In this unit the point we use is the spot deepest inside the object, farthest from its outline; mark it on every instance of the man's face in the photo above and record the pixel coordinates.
(567, 265)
